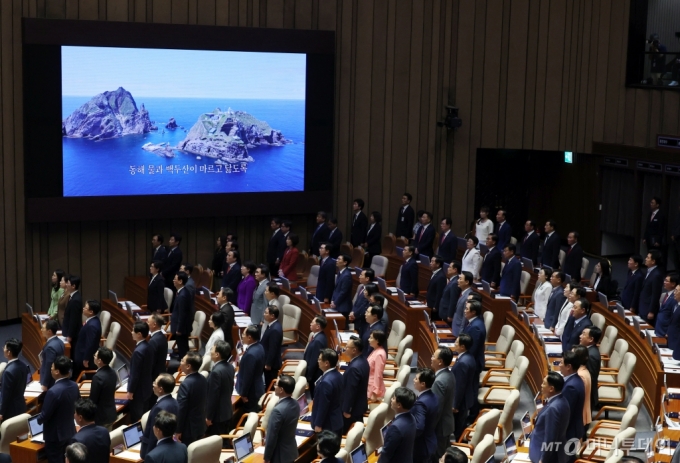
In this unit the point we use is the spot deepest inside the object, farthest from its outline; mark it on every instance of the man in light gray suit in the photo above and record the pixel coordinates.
(444, 388)
(281, 446)
(259, 299)
(465, 285)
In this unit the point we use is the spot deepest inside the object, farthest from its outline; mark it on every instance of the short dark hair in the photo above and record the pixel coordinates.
(158, 318)
(445, 355)
(474, 239)
(105, 355)
(511, 247)
(250, 266)
(494, 237)
(328, 443)
(376, 310)
(188, 268)
(330, 356)
(157, 264)
(465, 340)
(657, 199)
(346, 258)
(166, 382)
(595, 333)
(455, 455)
(273, 311)
(63, 364)
(377, 216)
(276, 220)
(548, 272)
(264, 269)
(410, 198)
(228, 293)
(438, 260)
(194, 360)
(183, 277)
(360, 203)
(475, 296)
(371, 288)
(405, 397)
(76, 453)
(637, 258)
(585, 304)
(370, 273)
(468, 276)
(426, 375)
(556, 380)
(166, 423)
(575, 233)
(502, 211)
(322, 214)
(217, 319)
(673, 278)
(141, 327)
(159, 237)
(333, 220)
(86, 408)
(14, 346)
(655, 255)
(253, 332)
(74, 281)
(94, 306)
(357, 343)
(457, 266)
(287, 223)
(380, 337)
(222, 348)
(274, 288)
(379, 299)
(582, 353)
(52, 325)
(558, 274)
(552, 223)
(476, 307)
(327, 246)
(410, 248)
(177, 237)
(571, 358)
(293, 238)
(287, 383)
(532, 224)
(447, 220)
(321, 321)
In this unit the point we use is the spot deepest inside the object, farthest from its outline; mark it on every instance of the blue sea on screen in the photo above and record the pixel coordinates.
(103, 168)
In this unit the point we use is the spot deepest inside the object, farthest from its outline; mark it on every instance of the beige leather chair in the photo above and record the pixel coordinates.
(561, 258)
(283, 300)
(290, 323)
(609, 337)
(313, 277)
(168, 296)
(207, 364)
(598, 320)
(485, 450)
(608, 429)
(635, 399)
(204, 450)
(396, 355)
(491, 394)
(615, 393)
(488, 322)
(516, 350)
(105, 320)
(116, 436)
(11, 428)
(300, 387)
(195, 342)
(584, 267)
(268, 408)
(600, 450)
(353, 438)
(402, 377)
(501, 347)
(294, 368)
(505, 421)
(251, 425)
(112, 337)
(391, 368)
(524, 280)
(485, 427)
(3, 365)
(144, 419)
(397, 333)
(372, 434)
(615, 361)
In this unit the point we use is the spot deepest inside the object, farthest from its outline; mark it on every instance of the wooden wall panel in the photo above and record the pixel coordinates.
(526, 74)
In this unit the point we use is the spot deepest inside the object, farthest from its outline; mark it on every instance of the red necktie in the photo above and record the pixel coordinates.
(665, 299)
(570, 248)
(443, 238)
(421, 233)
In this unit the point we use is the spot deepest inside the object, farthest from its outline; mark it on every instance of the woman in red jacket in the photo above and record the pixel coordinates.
(288, 266)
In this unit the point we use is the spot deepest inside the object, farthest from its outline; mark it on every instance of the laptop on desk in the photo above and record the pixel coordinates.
(36, 430)
(358, 455)
(383, 433)
(132, 436)
(510, 446)
(114, 298)
(603, 300)
(243, 447)
(486, 287)
(123, 375)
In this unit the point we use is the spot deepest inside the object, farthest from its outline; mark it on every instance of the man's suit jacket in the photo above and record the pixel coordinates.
(271, 342)
(459, 314)
(335, 240)
(379, 325)
(73, 320)
(491, 266)
(551, 426)
(529, 248)
(551, 251)
(630, 296)
(504, 233)
(467, 381)
(97, 441)
(172, 264)
(655, 232)
(276, 246)
(167, 403)
(102, 392)
(510, 280)
(477, 331)
(408, 282)
(182, 317)
(447, 249)
(593, 365)
(374, 240)
(423, 241)
(572, 332)
(281, 446)
(573, 261)
(575, 394)
(140, 382)
(555, 302)
(326, 282)
(191, 399)
(88, 341)
(159, 346)
(405, 221)
(232, 276)
(311, 356)
(155, 299)
(444, 387)
(327, 410)
(319, 235)
(447, 305)
(424, 413)
(665, 315)
(259, 303)
(435, 289)
(354, 385)
(53, 349)
(359, 227)
(12, 401)
(342, 294)
(359, 311)
(168, 451)
(57, 411)
(249, 382)
(650, 293)
(159, 254)
(399, 439)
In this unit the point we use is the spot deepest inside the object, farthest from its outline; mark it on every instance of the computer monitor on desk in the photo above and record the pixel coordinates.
(36, 430)
(358, 455)
(114, 297)
(132, 435)
(381, 284)
(527, 264)
(243, 447)
(486, 287)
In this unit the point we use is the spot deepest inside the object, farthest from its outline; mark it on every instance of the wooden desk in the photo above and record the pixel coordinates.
(31, 336)
(125, 344)
(26, 452)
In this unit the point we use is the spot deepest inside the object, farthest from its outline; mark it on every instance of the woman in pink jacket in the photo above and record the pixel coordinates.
(376, 362)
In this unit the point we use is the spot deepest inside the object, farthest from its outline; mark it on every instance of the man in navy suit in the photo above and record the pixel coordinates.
(57, 411)
(630, 296)
(467, 382)
(425, 236)
(425, 412)
(655, 231)
(12, 401)
(95, 438)
(451, 294)
(444, 387)
(576, 323)
(70, 328)
(448, 243)
(354, 384)
(408, 282)
(574, 393)
(326, 282)
(465, 286)
(158, 251)
(173, 261)
(163, 386)
(512, 273)
(89, 338)
(401, 434)
(555, 300)
(276, 245)
(182, 317)
(315, 345)
(334, 237)
(327, 410)
(551, 423)
(589, 339)
(249, 384)
(551, 246)
(573, 259)
(167, 450)
(341, 300)
(405, 217)
(271, 338)
(54, 347)
(159, 344)
(474, 326)
(220, 389)
(281, 445)
(651, 288)
(358, 314)
(667, 304)
(139, 387)
(502, 229)
(435, 288)
(320, 233)
(155, 296)
(374, 315)
(232, 271)
(327, 445)
(359, 223)
(531, 242)
(103, 388)
(191, 399)
(491, 265)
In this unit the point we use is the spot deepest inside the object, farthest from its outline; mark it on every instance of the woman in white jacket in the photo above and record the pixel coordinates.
(572, 295)
(542, 292)
(472, 259)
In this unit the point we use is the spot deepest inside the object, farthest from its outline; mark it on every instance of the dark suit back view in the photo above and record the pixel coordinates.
(164, 403)
(220, 389)
(53, 349)
(102, 392)
(249, 381)
(155, 299)
(73, 319)
(56, 417)
(191, 399)
(168, 451)
(97, 441)
(12, 401)
(140, 380)
(281, 446)
(444, 388)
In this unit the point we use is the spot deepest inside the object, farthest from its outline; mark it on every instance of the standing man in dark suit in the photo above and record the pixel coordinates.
(12, 401)
(271, 339)
(167, 450)
(341, 300)
(448, 243)
(531, 242)
(232, 270)
(281, 446)
(191, 398)
(158, 251)
(326, 282)
(103, 388)
(477, 331)
(655, 232)
(574, 393)
(227, 310)
(401, 434)
(182, 317)
(374, 315)
(444, 387)
(491, 263)
(551, 246)
(158, 343)
(359, 223)
(465, 286)
(57, 411)
(334, 237)
(502, 229)
(73, 314)
(630, 296)
(249, 384)
(425, 412)
(573, 260)
(408, 282)
(405, 217)
(54, 347)
(320, 233)
(163, 386)
(511, 274)
(139, 387)
(358, 314)
(576, 323)
(435, 288)
(94, 437)
(651, 288)
(589, 338)
(155, 299)
(316, 343)
(447, 305)
(327, 410)
(467, 382)
(425, 236)
(174, 260)
(666, 305)
(354, 383)
(555, 300)
(274, 244)
(220, 389)
(89, 338)
(373, 243)
(551, 423)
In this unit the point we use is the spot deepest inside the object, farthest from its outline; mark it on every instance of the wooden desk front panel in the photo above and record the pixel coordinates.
(538, 367)
(125, 344)
(31, 336)
(426, 343)
(500, 308)
(25, 452)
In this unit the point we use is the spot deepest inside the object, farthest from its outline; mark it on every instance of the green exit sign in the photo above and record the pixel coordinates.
(569, 157)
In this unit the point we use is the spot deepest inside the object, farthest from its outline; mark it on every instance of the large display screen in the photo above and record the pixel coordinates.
(147, 121)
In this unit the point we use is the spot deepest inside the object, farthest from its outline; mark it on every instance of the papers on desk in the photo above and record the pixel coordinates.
(298, 440)
(498, 296)
(260, 449)
(346, 335)
(670, 362)
(543, 330)
(521, 456)
(444, 332)
(553, 348)
(674, 390)
(127, 455)
(304, 425)
(242, 322)
(34, 386)
(31, 394)
(416, 304)
(666, 351)
(123, 388)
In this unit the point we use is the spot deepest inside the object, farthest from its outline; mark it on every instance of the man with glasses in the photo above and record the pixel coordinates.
(280, 445)
(354, 384)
